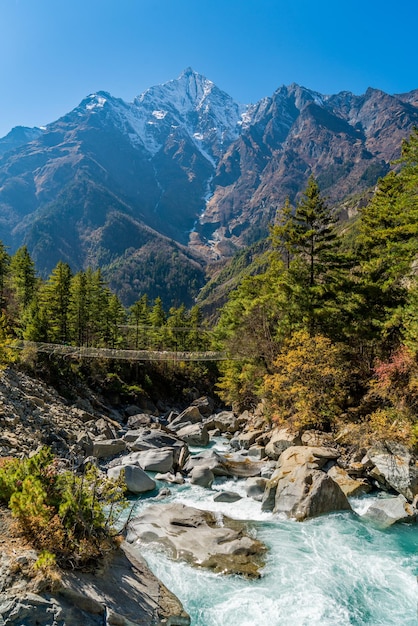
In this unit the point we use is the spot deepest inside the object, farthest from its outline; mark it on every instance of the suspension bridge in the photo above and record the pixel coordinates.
(89, 352)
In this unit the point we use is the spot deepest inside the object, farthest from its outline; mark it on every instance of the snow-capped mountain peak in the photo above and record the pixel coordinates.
(96, 101)
(184, 94)
(209, 116)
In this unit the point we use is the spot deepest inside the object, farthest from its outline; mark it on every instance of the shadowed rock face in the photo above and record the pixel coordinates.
(199, 538)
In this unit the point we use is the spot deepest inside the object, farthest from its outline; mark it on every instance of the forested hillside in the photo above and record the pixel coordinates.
(323, 329)
(328, 333)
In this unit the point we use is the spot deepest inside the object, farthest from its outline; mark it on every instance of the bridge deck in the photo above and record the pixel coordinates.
(83, 352)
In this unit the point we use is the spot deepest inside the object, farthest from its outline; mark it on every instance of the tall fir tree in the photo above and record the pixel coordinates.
(387, 249)
(22, 279)
(55, 297)
(139, 319)
(78, 309)
(4, 271)
(157, 320)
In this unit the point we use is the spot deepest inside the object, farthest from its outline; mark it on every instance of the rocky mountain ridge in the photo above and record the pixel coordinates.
(155, 189)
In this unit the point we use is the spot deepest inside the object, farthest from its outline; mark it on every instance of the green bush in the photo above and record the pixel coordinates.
(69, 516)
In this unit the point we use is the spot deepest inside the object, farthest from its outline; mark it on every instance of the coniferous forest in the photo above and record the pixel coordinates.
(322, 328)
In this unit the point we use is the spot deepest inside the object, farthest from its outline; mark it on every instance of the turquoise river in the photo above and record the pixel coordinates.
(336, 570)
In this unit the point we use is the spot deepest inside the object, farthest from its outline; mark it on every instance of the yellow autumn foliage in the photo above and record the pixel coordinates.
(308, 385)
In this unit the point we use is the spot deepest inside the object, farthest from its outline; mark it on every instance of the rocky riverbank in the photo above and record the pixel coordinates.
(122, 592)
(295, 475)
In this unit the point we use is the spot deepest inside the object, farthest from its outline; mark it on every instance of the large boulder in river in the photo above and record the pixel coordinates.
(153, 460)
(136, 480)
(205, 405)
(300, 489)
(227, 496)
(247, 439)
(191, 415)
(387, 511)
(202, 476)
(350, 486)
(194, 435)
(394, 466)
(225, 422)
(155, 438)
(201, 538)
(225, 464)
(280, 440)
(151, 438)
(255, 487)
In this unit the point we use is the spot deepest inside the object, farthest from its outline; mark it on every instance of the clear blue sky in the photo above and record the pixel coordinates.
(55, 52)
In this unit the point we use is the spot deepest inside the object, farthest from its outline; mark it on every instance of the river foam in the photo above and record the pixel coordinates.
(336, 570)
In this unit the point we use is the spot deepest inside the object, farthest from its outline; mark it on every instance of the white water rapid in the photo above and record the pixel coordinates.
(336, 570)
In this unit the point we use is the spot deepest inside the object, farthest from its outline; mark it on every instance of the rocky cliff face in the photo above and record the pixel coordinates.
(346, 141)
(155, 189)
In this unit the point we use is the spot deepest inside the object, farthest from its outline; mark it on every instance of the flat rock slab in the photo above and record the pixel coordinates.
(199, 537)
(108, 447)
(122, 591)
(225, 464)
(127, 589)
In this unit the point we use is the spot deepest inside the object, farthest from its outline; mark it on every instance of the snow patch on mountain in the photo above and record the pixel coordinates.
(160, 115)
(97, 102)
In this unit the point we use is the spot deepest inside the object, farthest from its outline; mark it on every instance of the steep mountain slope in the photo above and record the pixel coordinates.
(156, 189)
(346, 141)
(113, 180)
(17, 137)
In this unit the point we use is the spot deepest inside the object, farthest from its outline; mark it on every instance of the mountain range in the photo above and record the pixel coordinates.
(157, 190)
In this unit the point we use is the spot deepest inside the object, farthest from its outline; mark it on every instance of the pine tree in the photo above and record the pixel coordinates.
(314, 272)
(35, 322)
(55, 297)
(113, 318)
(314, 233)
(283, 233)
(176, 328)
(77, 310)
(22, 278)
(157, 320)
(139, 318)
(387, 246)
(196, 338)
(96, 306)
(4, 270)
